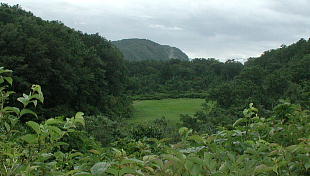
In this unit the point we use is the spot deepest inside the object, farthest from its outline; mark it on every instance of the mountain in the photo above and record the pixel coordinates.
(143, 49)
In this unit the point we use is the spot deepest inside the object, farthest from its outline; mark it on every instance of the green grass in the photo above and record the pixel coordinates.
(148, 110)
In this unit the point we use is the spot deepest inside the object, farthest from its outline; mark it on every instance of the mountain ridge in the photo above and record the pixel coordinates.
(136, 49)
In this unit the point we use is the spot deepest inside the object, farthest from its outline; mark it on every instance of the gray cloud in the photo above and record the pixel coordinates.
(202, 28)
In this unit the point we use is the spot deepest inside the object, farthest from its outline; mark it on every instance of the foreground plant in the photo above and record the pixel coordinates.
(277, 145)
(34, 148)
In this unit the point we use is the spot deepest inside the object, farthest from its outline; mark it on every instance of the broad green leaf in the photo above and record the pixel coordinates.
(112, 171)
(79, 118)
(223, 167)
(27, 111)
(94, 151)
(188, 165)
(24, 100)
(9, 80)
(127, 170)
(196, 160)
(263, 168)
(53, 121)
(45, 156)
(149, 169)
(2, 70)
(293, 148)
(37, 97)
(150, 157)
(35, 126)
(35, 102)
(241, 120)
(59, 155)
(210, 139)
(55, 132)
(72, 155)
(11, 109)
(61, 143)
(183, 130)
(99, 168)
(7, 126)
(158, 163)
(192, 149)
(30, 138)
(197, 170)
(307, 165)
(171, 158)
(198, 139)
(36, 88)
(131, 161)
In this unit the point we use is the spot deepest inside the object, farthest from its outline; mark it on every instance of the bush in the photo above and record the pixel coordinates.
(158, 129)
(104, 129)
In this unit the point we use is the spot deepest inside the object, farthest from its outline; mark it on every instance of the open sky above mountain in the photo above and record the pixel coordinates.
(201, 28)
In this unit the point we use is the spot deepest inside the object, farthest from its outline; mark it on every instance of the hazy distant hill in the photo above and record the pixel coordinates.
(143, 49)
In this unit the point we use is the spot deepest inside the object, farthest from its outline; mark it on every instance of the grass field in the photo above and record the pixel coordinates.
(147, 110)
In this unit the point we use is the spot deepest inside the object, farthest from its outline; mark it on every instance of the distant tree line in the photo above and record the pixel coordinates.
(176, 76)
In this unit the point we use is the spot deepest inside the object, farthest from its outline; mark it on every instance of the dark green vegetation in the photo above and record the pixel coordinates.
(171, 109)
(254, 145)
(83, 72)
(278, 74)
(72, 67)
(143, 49)
(183, 78)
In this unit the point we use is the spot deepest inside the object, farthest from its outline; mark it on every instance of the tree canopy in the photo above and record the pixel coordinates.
(72, 67)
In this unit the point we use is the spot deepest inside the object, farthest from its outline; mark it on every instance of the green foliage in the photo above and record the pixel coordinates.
(104, 129)
(208, 119)
(254, 145)
(86, 72)
(71, 67)
(177, 79)
(159, 128)
(34, 148)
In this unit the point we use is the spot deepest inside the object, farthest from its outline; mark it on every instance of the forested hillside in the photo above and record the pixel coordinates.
(143, 49)
(72, 67)
(66, 108)
(228, 87)
(277, 74)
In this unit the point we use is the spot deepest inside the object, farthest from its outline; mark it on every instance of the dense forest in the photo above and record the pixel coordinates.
(177, 77)
(73, 121)
(72, 67)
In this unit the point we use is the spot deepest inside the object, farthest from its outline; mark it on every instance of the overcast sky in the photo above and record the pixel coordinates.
(223, 29)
